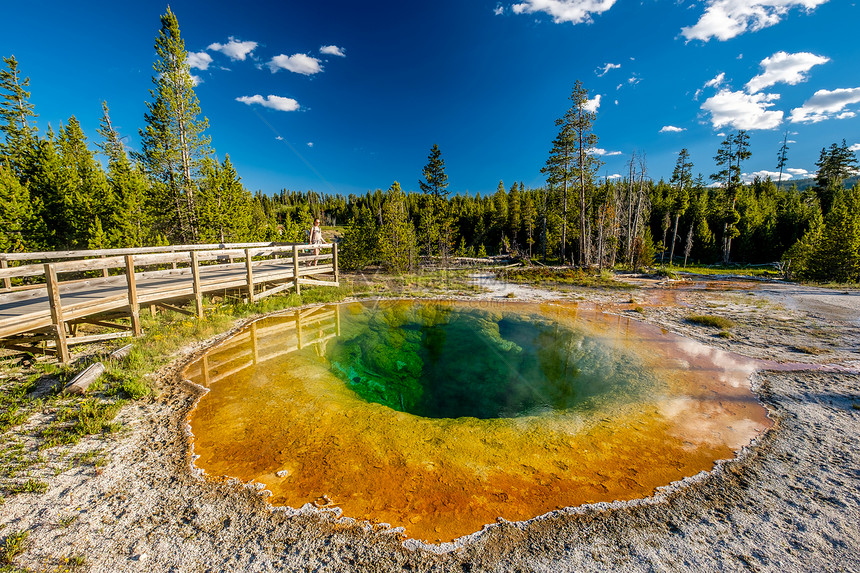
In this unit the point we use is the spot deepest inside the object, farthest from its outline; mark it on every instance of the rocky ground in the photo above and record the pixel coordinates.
(790, 502)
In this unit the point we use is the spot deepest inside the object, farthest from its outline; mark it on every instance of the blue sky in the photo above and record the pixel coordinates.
(346, 96)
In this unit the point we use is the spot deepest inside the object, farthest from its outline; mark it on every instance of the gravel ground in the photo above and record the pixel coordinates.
(790, 502)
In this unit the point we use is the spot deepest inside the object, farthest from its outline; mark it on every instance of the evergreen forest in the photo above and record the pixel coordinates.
(60, 190)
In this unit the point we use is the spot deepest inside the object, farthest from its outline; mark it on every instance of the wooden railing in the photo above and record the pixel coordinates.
(174, 273)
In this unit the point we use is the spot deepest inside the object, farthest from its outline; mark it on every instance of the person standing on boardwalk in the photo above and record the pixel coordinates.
(316, 239)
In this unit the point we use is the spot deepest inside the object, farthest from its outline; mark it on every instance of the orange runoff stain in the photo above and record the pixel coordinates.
(279, 417)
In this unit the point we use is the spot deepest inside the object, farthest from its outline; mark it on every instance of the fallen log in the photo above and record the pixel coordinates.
(82, 381)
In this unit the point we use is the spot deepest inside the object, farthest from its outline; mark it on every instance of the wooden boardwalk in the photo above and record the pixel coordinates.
(48, 312)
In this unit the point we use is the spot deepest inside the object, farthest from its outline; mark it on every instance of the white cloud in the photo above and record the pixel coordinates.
(633, 80)
(499, 10)
(279, 138)
(199, 60)
(671, 129)
(332, 51)
(725, 19)
(274, 102)
(764, 174)
(717, 81)
(786, 68)
(298, 63)
(310, 143)
(855, 147)
(825, 104)
(234, 49)
(614, 176)
(743, 111)
(196, 80)
(799, 172)
(603, 152)
(592, 104)
(605, 69)
(573, 11)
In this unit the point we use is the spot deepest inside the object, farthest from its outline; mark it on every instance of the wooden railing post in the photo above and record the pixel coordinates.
(133, 306)
(334, 262)
(105, 272)
(296, 269)
(7, 282)
(56, 313)
(250, 271)
(195, 277)
(299, 328)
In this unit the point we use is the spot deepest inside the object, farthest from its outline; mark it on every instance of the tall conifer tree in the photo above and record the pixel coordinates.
(173, 147)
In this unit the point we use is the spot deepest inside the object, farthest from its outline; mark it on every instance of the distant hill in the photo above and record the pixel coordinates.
(807, 183)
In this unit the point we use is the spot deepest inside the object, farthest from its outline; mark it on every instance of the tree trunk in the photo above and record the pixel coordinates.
(674, 238)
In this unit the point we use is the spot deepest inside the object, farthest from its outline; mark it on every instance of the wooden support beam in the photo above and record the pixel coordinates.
(166, 306)
(105, 272)
(299, 327)
(296, 271)
(313, 282)
(249, 270)
(195, 275)
(274, 290)
(133, 305)
(103, 323)
(99, 337)
(30, 349)
(7, 282)
(57, 312)
(334, 262)
(256, 351)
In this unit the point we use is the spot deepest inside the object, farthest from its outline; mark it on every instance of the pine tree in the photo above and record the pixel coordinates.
(435, 181)
(682, 177)
(572, 162)
(515, 215)
(132, 215)
(837, 255)
(361, 240)
(89, 196)
(782, 158)
(435, 227)
(397, 245)
(834, 166)
(16, 213)
(225, 208)
(173, 147)
(16, 113)
(529, 217)
(733, 151)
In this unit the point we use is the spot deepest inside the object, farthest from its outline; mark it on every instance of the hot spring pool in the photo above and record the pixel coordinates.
(440, 417)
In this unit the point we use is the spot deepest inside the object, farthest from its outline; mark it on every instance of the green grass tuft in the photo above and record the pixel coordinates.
(80, 419)
(710, 320)
(13, 546)
(29, 486)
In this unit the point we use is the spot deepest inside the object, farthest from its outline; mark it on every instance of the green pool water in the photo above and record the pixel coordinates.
(439, 361)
